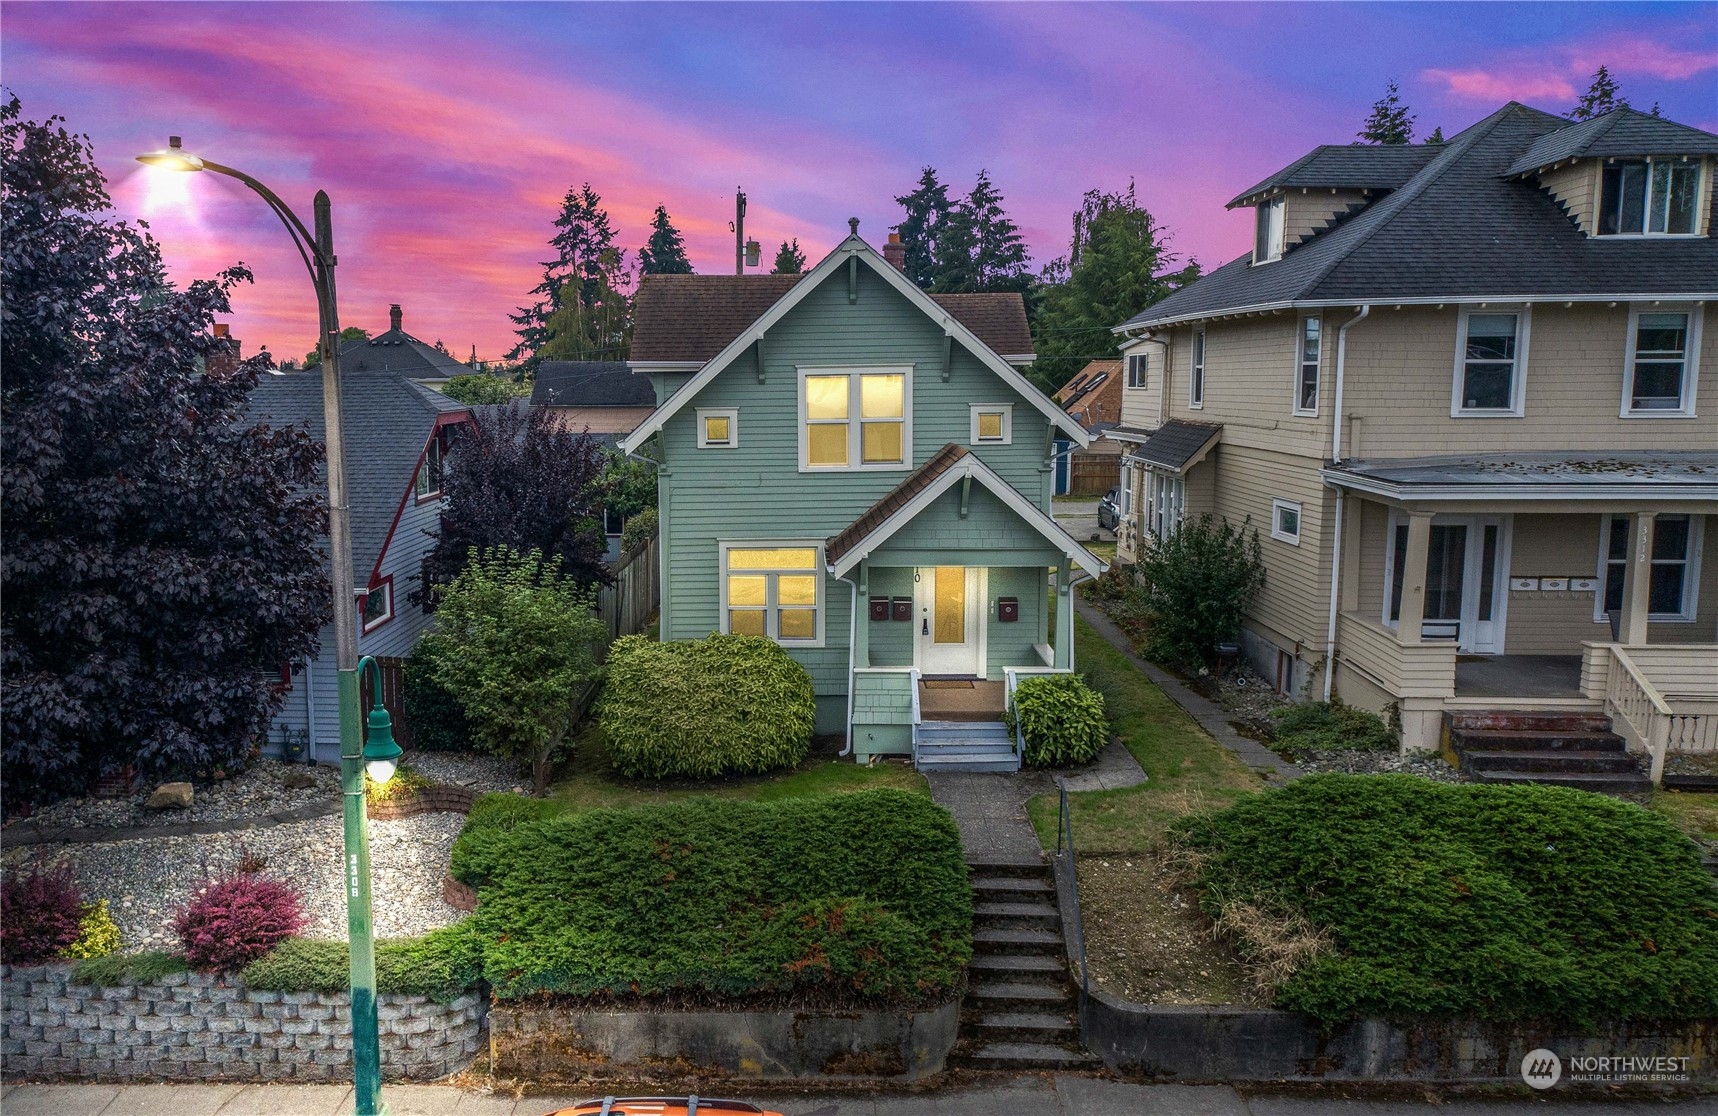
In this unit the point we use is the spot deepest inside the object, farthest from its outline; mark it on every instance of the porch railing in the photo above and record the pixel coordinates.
(913, 681)
(1634, 682)
(1405, 670)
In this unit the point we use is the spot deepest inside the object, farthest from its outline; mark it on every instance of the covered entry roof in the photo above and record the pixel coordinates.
(949, 465)
(1536, 476)
(1178, 445)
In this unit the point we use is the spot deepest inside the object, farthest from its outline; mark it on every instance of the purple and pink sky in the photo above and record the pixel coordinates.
(447, 134)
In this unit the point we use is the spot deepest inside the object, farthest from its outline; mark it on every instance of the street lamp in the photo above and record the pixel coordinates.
(319, 259)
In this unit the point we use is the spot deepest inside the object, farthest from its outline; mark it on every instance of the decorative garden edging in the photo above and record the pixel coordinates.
(196, 1027)
(549, 1043)
(436, 798)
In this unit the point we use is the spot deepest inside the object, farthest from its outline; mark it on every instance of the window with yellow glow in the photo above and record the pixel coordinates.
(773, 591)
(992, 424)
(854, 419)
(718, 428)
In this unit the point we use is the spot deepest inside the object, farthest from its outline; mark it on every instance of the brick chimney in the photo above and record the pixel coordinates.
(221, 363)
(896, 252)
(394, 316)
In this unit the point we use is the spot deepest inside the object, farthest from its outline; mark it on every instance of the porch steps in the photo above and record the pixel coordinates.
(966, 746)
(1020, 1009)
(1560, 749)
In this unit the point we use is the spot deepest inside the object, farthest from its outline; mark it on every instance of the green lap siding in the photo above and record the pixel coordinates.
(891, 641)
(1011, 644)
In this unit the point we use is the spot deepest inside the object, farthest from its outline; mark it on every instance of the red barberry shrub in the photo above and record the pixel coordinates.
(40, 914)
(234, 921)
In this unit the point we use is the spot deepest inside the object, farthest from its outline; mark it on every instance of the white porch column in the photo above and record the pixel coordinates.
(1414, 577)
(861, 633)
(1637, 580)
(1064, 616)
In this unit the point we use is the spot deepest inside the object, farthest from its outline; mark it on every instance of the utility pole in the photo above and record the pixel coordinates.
(739, 231)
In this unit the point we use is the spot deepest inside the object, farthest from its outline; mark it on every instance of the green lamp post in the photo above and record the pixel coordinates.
(380, 754)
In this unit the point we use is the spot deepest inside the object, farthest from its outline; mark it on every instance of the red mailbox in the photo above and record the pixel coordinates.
(879, 608)
(1008, 609)
(903, 609)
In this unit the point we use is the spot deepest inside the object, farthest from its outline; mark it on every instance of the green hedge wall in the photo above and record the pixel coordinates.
(704, 707)
(1502, 902)
(441, 964)
(848, 898)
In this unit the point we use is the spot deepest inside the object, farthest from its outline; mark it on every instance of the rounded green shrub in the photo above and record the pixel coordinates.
(98, 933)
(1060, 719)
(482, 842)
(721, 705)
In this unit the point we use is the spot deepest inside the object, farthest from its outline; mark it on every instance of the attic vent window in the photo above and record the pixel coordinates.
(1648, 197)
(1268, 233)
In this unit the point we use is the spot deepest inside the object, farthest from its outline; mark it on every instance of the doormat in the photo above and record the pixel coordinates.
(948, 683)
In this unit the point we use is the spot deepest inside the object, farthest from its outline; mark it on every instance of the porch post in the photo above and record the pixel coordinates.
(862, 617)
(1637, 580)
(1350, 556)
(1414, 577)
(1064, 616)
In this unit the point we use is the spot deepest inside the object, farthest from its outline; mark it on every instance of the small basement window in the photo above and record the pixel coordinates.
(992, 424)
(718, 428)
(1285, 521)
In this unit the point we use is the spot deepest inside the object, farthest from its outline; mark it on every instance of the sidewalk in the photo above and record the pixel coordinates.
(1209, 714)
(1031, 1095)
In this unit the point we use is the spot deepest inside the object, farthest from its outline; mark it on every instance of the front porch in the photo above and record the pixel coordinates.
(1510, 677)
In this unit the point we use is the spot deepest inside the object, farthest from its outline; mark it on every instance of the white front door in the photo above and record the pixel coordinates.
(949, 628)
(1467, 575)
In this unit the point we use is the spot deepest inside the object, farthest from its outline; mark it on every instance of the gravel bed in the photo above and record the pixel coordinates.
(146, 880)
(1679, 763)
(477, 770)
(259, 790)
(1427, 765)
(1247, 698)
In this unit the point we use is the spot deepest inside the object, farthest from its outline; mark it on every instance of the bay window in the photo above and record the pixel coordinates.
(1165, 503)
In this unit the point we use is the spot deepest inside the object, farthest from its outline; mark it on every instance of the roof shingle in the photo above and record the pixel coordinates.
(1350, 166)
(894, 500)
(590, 383)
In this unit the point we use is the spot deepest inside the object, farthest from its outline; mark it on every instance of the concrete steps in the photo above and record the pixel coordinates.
(1560, 749)
(1020, 1009)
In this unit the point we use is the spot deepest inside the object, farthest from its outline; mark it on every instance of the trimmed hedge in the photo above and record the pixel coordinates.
(441, 964)
(1501, 902)
(138, 968)
(704, 707)
(1061, 720)
(859, 897)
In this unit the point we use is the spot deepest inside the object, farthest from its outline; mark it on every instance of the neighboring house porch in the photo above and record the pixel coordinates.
(1531, 582)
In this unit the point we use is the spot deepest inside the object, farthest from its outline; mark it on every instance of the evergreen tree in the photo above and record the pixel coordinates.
(1602, 96)
(1437, 135)
(1390, 122)
(789, 260)
(1116, 266)
(665, 252)
(581, 298)
(927, 206)
(978, 247)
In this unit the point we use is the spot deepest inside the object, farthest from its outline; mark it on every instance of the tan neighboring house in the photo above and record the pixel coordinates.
(1465, 393)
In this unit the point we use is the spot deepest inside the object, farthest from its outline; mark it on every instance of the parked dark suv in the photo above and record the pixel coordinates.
(1109, 509)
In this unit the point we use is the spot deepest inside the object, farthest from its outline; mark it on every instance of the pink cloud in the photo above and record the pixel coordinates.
(1492, 85)
(1645, 57)
(1559, 72)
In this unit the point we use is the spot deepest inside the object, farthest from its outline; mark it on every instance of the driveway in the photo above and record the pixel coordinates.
(1080, 519)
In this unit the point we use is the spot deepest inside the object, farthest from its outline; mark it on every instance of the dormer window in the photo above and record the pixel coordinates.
(1268, 234)
(1649, 197)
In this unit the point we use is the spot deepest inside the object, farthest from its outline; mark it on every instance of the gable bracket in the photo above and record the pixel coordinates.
(948, 355)
(965, 493)
(852, 278)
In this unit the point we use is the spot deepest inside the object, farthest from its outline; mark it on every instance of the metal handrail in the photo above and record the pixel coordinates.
(913, 682)
(1065, 848)
(1013, 680)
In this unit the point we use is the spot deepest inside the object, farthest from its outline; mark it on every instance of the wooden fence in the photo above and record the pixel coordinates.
(628, 604)
(1093, 474)
(393, 696)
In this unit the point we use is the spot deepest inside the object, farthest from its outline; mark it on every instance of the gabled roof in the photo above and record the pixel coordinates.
(691, 318)
(388, 421)
(397, 351)
(852, 248)
(1457, 230)
(1087, 378)
(1622, 132)
(1178, 445)
(591, 383)
(906, 500)
(1349, 166)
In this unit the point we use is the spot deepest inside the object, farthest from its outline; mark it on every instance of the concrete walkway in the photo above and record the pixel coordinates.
(1037, 1094)
(991, 808)
(1211, 716)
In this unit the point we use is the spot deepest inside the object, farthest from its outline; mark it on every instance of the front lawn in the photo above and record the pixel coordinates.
(1694, 813)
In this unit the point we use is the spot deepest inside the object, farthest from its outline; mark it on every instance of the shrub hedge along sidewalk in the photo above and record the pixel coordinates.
(850, 899)
(1500, 902)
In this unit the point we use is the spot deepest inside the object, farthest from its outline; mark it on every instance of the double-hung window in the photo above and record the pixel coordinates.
(855, 418)
(1268, 232)
(1306, 368)
(1491, 362)
(428, 483)
(774, 589)
(1660, 368)
(1675, 565)
(1196, 378)
(1649, 197)
(1137, 366)
(1165, 503)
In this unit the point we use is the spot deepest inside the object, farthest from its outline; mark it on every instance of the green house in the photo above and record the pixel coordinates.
(858, 470)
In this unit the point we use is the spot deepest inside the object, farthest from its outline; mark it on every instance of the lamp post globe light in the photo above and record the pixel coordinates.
(379, 754)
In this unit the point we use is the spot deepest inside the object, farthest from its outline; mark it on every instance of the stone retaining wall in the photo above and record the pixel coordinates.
(195, 1027)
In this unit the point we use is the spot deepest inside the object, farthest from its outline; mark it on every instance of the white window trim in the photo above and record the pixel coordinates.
(1690, 580)
(1274, 250)
(1165, 503)
(854, 445)
(1144, 360)
(1518, 376)
(1299, 359)
(1690, 360)
(1702, 202)
(386, 588)
(1006, 410)
(1196, 370)
(819, 571)
(1276, 532)
(732, 414)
